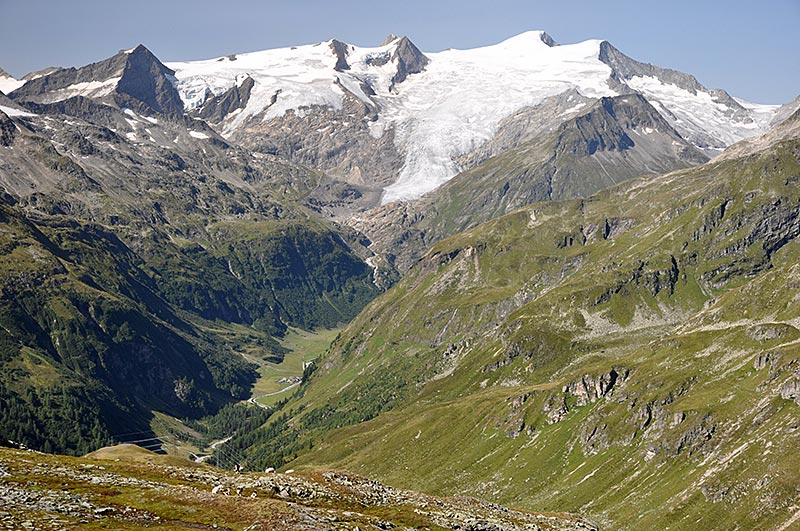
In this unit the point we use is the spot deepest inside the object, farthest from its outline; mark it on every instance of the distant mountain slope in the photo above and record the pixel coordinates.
(8, 83)
(100, 160)
(341, 104)
(608, 141)
(129, 229)
(632, 355)
(788, 127)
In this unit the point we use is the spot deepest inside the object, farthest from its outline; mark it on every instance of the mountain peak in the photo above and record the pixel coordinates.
(389, 39)
(410, 60)
(613, 122)
(131, 78)
(547, 39)
(147, 80)
(528, 38)
(140, 50)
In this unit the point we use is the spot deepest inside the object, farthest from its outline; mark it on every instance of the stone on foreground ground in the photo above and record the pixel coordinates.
(133, 489)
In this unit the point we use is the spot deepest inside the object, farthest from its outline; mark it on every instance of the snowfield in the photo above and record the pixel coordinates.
(695, 114)
(11, 111)
(456, 103)
(9, 84)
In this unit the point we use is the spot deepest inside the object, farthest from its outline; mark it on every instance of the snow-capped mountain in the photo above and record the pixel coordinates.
(132, 78)
(392, 121)
(8, 83)
(438, 106)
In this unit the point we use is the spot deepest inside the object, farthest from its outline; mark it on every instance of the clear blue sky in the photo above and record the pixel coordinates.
(750, 48)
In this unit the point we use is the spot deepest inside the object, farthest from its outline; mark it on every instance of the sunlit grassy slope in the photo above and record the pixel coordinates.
(632, 356)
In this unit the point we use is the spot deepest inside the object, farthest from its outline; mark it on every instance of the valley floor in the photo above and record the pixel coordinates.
(277, 379)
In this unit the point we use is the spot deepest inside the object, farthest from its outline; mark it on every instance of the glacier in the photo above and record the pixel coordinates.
(457, 101)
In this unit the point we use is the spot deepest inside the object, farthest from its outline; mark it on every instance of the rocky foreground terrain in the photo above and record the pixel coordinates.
(126, 487)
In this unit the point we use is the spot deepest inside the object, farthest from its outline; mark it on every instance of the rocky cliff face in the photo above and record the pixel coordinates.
(409, 60)
(624, 68)
(216, 108)
(340, 50)
(338, 143)
(7, 130)
(145, 80)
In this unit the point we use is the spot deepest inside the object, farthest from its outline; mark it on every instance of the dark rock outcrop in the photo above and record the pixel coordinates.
(548, 40)
(7, 130)
(588, 390)
(791, 390)
(216, 108)
(410, 60)
(389, 39)
(340, 51)
(80, 107)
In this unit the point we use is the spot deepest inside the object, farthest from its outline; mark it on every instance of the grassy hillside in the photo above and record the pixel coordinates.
(88, 347)
(632, 356)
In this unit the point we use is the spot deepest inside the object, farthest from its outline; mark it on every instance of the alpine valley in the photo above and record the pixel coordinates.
(542, 275)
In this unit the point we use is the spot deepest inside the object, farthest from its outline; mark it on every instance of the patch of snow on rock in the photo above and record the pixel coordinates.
(11, 111)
